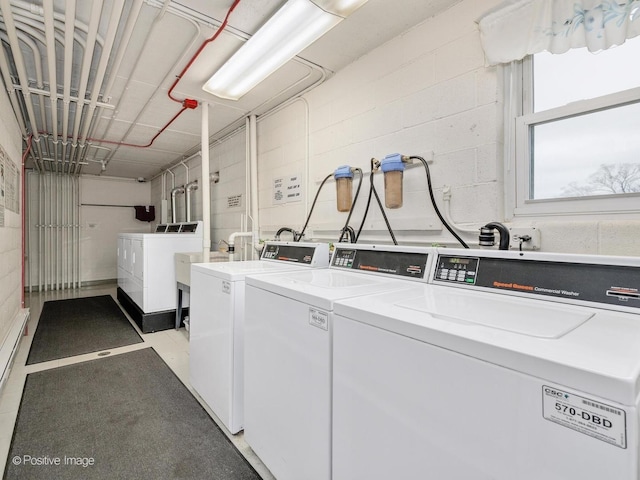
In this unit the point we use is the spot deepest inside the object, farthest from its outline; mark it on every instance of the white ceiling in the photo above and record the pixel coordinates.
(140, 71)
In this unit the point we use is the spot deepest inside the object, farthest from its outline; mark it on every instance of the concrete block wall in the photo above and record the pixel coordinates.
(424, 93)
(228, 158)
(100, 224)
(11, 232)
(427, 93)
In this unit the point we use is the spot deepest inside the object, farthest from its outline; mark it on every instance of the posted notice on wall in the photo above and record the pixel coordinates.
(9, 185)
(287, 189)
(2, 195)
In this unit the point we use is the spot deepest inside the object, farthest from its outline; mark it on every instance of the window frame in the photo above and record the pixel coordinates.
(519, 122)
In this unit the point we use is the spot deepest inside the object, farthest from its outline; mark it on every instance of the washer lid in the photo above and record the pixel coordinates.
(598, 355)
(321, 287)
(518, 315)
(236, 271)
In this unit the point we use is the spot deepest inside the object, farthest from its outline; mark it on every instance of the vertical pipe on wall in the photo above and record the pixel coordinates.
(253, 164)
(45, 252)
(206, 185)
(76, 243)
(27, 204)
(40, 236)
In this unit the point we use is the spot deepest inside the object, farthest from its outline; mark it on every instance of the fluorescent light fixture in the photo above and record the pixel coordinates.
(294, 27)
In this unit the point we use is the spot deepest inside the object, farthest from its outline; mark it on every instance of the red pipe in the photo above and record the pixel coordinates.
(24, 215)
(141, 146)
(186, 103)
(204, 44)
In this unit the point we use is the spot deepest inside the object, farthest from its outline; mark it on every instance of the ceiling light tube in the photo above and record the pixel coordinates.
(294, 27)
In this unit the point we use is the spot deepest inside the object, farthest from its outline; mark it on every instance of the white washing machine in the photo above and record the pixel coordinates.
(288, 338)
(506, 366)
(216, 338)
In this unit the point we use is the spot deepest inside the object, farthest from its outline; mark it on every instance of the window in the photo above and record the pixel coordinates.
(576, 132)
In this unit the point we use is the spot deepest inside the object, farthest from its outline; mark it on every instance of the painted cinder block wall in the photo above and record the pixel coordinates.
(427, 92)
(11, 232)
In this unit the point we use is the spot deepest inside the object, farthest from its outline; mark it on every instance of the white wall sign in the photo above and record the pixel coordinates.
(287, 189)
(234, 201)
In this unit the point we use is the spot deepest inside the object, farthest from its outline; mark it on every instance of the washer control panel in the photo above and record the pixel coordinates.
(539, 275)
(304, 253)
(457, 269)
(385, 262)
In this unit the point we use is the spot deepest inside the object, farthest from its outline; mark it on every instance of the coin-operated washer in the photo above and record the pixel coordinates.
(508, 365)
(288, 337)
(216, 339)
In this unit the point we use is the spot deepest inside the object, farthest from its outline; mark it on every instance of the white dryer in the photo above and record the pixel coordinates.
(507, 366)
(288, 338)
(216, 339)
(147, 274)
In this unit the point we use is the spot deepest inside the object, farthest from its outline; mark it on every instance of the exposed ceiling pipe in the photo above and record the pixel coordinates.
(37, 63)
(11, 90)
(94, 24)
(188, 188)
(70, 17)
(49, 30)
(116, 12)
(132, 18)
(20, 67)
(169, 73)
(28, 10)
(34, 24)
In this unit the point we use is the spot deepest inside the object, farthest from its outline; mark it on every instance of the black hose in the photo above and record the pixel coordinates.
(505, 236)
(366, 210)
(287, 229)
(355, 199)
(433, 202)
(384, 215)
(373, 191)
(301, 234)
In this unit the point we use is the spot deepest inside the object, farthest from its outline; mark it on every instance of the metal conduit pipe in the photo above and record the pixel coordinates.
(94, 24)
(34, 28)
(37, 62)
(70, 16)
(116, 13)
(186, 173)
(169, 73)
(34, 12)
(132, 18)
(188, 188)
(11, 90)
(174, 192)
(206, 187)
(76, 243)
(253, 163)
(10, 25)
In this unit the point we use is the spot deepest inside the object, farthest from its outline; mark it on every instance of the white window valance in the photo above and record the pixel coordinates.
(517, 28)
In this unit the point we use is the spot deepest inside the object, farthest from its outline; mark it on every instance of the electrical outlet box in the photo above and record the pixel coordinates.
(518, 233)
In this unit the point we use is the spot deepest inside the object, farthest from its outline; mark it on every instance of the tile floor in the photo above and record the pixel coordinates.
(171, 345)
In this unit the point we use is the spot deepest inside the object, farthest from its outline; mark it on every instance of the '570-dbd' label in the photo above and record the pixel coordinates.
(585, 415)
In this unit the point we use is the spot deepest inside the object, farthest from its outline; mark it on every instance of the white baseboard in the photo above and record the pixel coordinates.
(10, 344)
